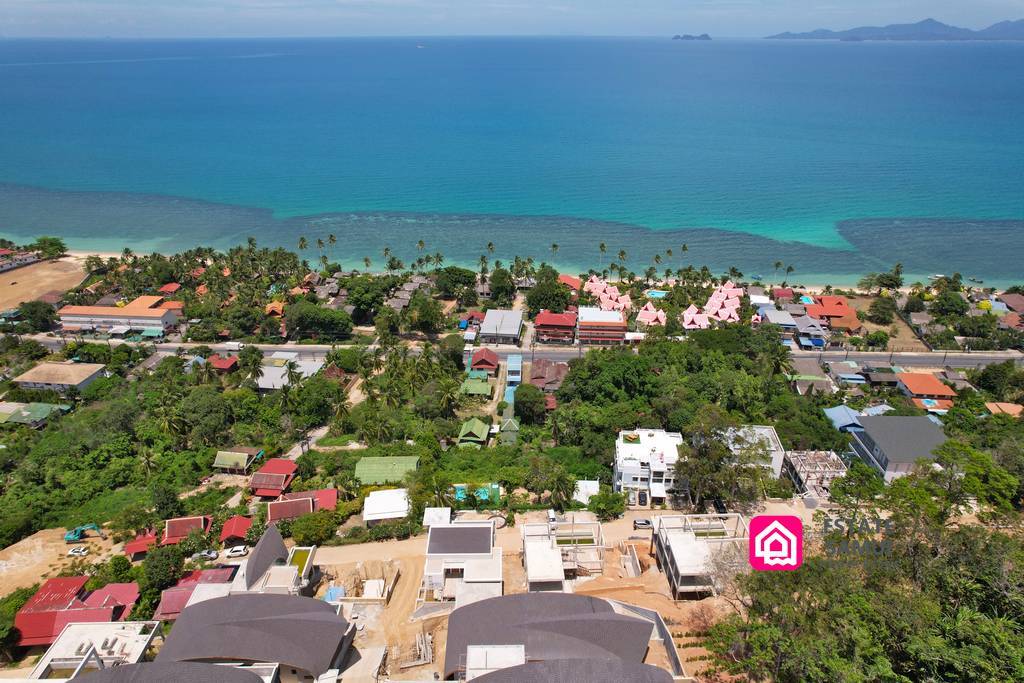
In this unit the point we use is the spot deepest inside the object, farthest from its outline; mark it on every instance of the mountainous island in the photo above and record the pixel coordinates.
(687, 36)
(929, 29)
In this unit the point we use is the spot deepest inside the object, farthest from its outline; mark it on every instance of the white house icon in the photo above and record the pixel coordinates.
(776, 545)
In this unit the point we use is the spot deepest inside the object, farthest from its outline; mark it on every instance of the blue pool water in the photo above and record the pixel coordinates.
(656, 294)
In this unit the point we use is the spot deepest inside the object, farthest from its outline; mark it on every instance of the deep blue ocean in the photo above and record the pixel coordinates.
(837, 158)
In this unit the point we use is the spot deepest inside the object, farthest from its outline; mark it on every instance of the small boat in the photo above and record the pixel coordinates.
(757, 277)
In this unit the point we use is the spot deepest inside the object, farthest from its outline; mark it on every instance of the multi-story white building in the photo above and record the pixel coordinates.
(645, 464)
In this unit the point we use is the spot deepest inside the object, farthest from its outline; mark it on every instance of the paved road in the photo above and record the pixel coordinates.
(566, 353)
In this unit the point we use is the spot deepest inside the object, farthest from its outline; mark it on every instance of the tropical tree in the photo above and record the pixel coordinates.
(303, 244)
(603, 248)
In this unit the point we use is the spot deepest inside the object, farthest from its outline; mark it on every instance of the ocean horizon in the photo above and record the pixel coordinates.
(836, 158)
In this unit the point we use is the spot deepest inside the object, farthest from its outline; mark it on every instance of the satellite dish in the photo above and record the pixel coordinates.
(810, 503)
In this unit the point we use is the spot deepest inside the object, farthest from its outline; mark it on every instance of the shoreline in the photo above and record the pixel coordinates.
(815, 287)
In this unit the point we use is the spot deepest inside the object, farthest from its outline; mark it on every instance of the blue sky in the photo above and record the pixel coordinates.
(239, 18)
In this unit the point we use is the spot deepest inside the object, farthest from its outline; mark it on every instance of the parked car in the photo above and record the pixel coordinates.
(205, 555)
(80, 551)
(642, 524)
(237, 551)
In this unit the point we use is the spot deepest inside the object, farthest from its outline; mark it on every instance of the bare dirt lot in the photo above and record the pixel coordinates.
(27, 283)
(43, 555)
(905, 339)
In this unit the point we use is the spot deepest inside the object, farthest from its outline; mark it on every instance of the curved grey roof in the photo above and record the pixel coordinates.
(550, 626)
(579, 671)
(302, 633)
(269, 550)
(170, 672)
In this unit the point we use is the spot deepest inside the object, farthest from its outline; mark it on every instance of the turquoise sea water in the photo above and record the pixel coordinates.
(835, 157)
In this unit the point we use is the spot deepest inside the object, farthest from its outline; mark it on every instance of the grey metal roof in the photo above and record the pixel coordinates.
(904, 439)
(170, 672)
(298, 632)
(269, 550)
(549, 625)
(459, 540)
(579, 671)
(500, 322)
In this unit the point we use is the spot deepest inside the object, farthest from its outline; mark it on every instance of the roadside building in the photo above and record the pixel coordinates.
(385, 506)
(1001, 408)
(60, 377)
(174, 599)
(644, 466)
(65, 600)
(548, 375)
(514, 370)
(463, 564)
(273, 479)
(555, 327)
(892, 444)
(473, 386)
(270, 567)
(556, 554)
(927, 391)
(485, 360)
(226, 363)
(596, 326)
(142, 314)
(501, 326)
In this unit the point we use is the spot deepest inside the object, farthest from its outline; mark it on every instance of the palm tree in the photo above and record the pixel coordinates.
(438, 259)
(342, 409)
(778, 264)
(561, 487)
(331, 239)
(292, 373)
(789, 271)
(622, 260)
(366, 263)
(603, 248)
(421, 245)
(303, 244)
(490, 247)
(206, 373)
(448, 396)
(554, 249)
(682, 250)
(483, 264)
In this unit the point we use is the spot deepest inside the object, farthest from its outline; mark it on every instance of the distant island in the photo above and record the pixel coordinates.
(929, 29)
(687, 36)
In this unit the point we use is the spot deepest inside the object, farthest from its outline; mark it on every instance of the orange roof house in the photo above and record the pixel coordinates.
(1011, 409)
(144, 311)
(234, 529)
(173, 305)
(573, 283)
(169, 288)
(847, 323)
(275, 309)
(830, 307)
(202, 290)
(923, 385)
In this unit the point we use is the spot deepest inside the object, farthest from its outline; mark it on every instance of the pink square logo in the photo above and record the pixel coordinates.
(776, 543)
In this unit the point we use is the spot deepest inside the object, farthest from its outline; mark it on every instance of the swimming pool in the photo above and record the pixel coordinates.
(656, 293)
(806, 299)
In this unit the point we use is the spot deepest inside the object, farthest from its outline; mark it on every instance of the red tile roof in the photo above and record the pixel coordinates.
(236, 527)
(572, 282)
(175, 530)
(473, 316)
(172, 305)
(169, 288)
(140, 544)
(220, 362)
(271, 480)
(198, 272)
(323, 499)
(173, 601)
(831, 309)
(288, 509)
(63, 600)
(782, 293)
(924, 384)
(1015, 302)
(214, 575)
(202, 290)
(484, 358)
(550, 402)
(850, 321)
(547, 318)
(933, 404)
